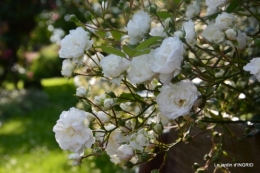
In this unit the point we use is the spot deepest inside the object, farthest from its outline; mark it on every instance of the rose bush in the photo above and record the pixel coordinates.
(171, 71)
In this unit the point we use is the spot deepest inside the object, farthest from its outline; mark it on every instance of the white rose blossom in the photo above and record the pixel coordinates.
(99, 100)
(114, 142)
(215, 3)
(213, 34)
(125, 153)
(167, 58)
(138, 26)
(139, 140)
(177, 99)
(72, 131)
(253, 67)
(67, 68)
(139, 69)
(193, 9)
(81, 91)
(158, 30)
(108, 103)
(231, 34)
(102, 116)
(224, 21)
(126, 106)
(242, 40)
(190, 34)
(113, 66)
(74, 44)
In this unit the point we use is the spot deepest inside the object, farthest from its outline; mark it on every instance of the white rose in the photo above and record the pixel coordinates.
(126, 106)
(177, 99)
(100, 135)
(215, 3)
(67, 68)
(168, 57)
(190, 34)
(231, 34)
(98, 100)
(72, 131)
(139, 69)
(102, 116)
(114, 65)
(125, 153)
(138, 26)
(74, 44)
(224, 21)
(254, 67)
(108, 103)
(81, 91)
(211, 10)
(193, 9)
(179, 34)
(213, 34)
(158, 30)
(242, 40)
(115, 139)
(139, 140)
(90, 117)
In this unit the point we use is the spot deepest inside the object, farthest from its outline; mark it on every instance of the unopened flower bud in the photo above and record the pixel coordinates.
(125, 152)
(129, 165)
(97, 151)
(168, 23)
(81, 91)
(231, 34)
(153, 8)
(73, 18)
(108, 103)
(158, 128)
(88, 15)
(195, 166)
(200, 170)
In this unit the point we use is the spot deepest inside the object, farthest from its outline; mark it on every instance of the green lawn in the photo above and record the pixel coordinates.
(27, 142)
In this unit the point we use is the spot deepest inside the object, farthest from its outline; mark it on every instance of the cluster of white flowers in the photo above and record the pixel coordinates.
(128, 124)
(223, 31)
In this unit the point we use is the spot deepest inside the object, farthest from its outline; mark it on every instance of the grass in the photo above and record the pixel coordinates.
(27, 142)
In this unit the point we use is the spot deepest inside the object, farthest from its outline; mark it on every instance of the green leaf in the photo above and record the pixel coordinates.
(232, 6)
(133, 52)
(116, 35)
(126, 97)
(177, 1)
(155, 171)
(111, 94)
(101, 33)
(257, 42)
(111, 50)
(150, 41)
(163, 14)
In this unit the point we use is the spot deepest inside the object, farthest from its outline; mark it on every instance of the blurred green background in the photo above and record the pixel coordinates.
(27, 142)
